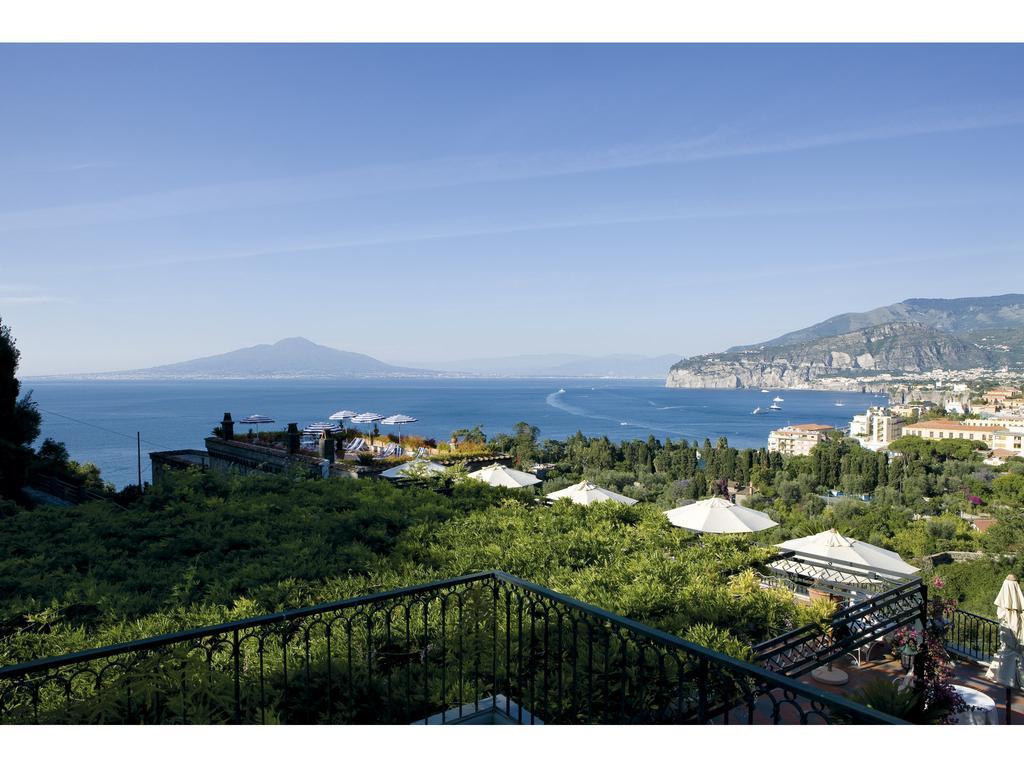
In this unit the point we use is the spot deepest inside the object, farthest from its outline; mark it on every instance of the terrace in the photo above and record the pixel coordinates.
(492, 648)
(485, 647)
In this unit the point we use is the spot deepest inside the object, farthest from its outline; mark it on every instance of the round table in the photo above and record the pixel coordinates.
(981, 708)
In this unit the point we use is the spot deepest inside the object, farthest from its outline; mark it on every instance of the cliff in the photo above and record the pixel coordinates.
(897, 347)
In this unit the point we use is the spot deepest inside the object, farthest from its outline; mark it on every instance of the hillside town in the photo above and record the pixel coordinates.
(994, 417)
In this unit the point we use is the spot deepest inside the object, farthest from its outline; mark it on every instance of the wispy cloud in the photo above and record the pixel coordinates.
(435, 231)
(482, 169)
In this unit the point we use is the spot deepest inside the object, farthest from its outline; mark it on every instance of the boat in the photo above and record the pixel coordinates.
(756, 411)
(775, 407)
(764, 391)
(777, 399)
(839, 404)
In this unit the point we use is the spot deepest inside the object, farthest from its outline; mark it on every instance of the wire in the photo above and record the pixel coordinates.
(106, 429)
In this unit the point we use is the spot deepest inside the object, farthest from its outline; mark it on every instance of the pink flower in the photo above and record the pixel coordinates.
(938, 583)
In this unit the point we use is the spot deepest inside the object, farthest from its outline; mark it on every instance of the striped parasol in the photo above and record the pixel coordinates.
(398, 420)
(342, 415)
(317, 428)
(256, 419)
(367, 418)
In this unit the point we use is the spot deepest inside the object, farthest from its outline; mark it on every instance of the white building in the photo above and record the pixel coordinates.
(876, 428)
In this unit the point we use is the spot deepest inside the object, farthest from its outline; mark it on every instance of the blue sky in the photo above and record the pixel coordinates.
(442, 202)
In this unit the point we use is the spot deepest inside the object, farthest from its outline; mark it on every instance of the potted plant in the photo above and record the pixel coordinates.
(906, 643)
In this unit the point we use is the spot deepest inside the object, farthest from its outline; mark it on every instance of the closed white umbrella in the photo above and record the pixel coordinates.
(501, 476)
(256, 419)
(1006, 667)
(587, 493)
(414, 468)
(831, 545)
(717, 515)
(398, 420)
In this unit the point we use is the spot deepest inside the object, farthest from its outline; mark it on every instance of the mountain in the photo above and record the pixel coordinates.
(955, 316)
(892, 347)
(288, 358)
(562, 365)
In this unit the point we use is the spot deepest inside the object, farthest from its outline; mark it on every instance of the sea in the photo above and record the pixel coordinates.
(98, 420)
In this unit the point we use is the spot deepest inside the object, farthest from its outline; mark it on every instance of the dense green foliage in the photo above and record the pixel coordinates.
(203, 548)
(19, 421)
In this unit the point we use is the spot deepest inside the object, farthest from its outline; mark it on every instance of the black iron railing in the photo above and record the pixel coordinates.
(873, 603)
(971, 636)
(438, 652)
(805, 648)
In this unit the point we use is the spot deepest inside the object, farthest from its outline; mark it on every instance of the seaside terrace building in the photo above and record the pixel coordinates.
(799, 439)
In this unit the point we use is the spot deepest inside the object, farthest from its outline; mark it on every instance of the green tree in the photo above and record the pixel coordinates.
(19, 420)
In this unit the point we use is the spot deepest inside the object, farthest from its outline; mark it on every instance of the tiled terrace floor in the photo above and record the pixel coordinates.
(970, 675)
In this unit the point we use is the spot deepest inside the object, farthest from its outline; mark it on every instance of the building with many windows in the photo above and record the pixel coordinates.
(944, 429)
(876, 428)
(798, 439)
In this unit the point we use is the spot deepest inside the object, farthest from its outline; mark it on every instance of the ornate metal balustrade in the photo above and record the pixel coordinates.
(444, 651)
(875, 603)
(973, 637)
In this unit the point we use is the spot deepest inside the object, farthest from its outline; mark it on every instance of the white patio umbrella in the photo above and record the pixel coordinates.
(501, 476)
(830, 545)
(1007, 667)
(413, 468)
(256, 419)
(717, 515)
(587, 493)
(398, 420)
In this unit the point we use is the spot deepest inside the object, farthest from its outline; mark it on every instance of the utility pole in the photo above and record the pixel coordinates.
(138, 452)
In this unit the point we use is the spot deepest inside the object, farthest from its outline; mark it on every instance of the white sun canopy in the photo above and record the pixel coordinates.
(413, 468)
(587, 493)
(501, 476)
(832, 547)
(718, 515)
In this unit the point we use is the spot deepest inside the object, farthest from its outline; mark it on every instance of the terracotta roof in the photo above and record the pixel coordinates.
(808, 428)
(956, 425)
(1003, 453)
(983, 523)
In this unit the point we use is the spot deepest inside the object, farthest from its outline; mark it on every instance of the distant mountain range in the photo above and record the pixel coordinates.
(299, 358)
(955, 316)
(912, 336)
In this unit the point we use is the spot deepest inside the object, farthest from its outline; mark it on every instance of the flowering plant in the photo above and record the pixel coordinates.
(906, 640)
(942, 606)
